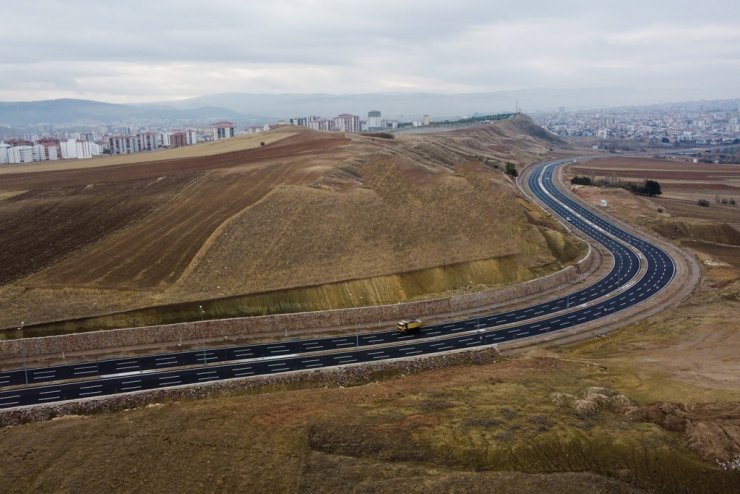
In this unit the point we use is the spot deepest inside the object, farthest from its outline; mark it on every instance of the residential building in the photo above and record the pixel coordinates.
(4, 153)
(69, 149)
(124, 144)
(178, 139)
(223, 130)
(347, 123)
(191, 136)
(20, 154)
(323, 124)
(150, 141)
(374, 120)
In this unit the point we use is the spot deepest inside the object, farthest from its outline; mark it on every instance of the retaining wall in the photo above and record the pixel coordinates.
(291, 324)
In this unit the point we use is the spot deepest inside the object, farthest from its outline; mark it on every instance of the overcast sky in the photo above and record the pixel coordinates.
(155, 50)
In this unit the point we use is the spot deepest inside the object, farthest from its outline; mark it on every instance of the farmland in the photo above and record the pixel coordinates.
(682, 180)
(619, 413)
(304, 209)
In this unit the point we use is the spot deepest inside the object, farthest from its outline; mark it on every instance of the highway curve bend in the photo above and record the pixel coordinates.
(640, 270)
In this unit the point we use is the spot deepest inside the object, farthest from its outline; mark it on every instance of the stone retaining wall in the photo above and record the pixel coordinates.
(291, 324)
(345, 375)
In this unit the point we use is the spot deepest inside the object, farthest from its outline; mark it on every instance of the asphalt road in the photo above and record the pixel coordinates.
(620, 289)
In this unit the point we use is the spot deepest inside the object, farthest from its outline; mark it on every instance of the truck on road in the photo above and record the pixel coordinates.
(408, 325)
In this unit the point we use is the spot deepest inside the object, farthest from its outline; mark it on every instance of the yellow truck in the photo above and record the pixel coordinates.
(408, 325)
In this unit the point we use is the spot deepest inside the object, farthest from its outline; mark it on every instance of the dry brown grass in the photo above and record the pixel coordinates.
(450, 429)
(307, 209)
(583, 419)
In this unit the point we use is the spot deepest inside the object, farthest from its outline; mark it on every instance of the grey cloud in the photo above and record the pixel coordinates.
(126, 49)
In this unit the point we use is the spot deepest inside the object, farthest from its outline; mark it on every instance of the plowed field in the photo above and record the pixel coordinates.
(678, 179)
(305, 209)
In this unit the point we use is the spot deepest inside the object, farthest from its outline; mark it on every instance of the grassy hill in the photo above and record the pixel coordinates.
(240, 219)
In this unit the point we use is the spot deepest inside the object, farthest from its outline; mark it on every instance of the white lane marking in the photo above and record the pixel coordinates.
(46, 373)
(88, 393)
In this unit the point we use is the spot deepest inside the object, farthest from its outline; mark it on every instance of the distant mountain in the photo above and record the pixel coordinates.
(86, 112)
(415, 105)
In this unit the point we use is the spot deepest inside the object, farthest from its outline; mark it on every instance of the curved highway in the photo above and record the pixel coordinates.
(624, 286)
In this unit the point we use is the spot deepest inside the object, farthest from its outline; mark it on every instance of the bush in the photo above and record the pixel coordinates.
(511, 169)
(660, 210)
(703, 203)
(581, 181)
(651, 188)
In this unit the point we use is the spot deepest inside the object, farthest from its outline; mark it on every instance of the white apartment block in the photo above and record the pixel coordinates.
(322, 124)
(192, 137)
(147, 141)
(20, 154)
(223, 130)
(39, 152)
(374, 120)
(4, 153)
(347, 123)
(68, 149)
(123, 144)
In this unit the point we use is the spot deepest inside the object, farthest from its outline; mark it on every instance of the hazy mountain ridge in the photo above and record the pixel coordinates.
(88, 112)
(253, 108)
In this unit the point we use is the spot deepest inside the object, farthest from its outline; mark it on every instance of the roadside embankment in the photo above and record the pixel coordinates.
(296, 324)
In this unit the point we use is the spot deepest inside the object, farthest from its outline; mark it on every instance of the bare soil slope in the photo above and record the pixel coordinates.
(304, 209)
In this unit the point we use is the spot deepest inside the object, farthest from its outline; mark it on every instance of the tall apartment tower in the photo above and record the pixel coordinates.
(373, 120)
(347, 123)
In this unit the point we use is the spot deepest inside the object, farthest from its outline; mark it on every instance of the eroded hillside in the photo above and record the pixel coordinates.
(305, 209)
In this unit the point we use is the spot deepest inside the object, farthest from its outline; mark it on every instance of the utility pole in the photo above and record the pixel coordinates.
(202, 314)
(23, 342)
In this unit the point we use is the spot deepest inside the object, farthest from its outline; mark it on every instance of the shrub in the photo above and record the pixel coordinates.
(581, 181)
(703, 203)
(651, 188)
(511, 169)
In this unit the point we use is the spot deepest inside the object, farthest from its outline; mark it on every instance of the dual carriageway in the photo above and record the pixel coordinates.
(640, 270)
